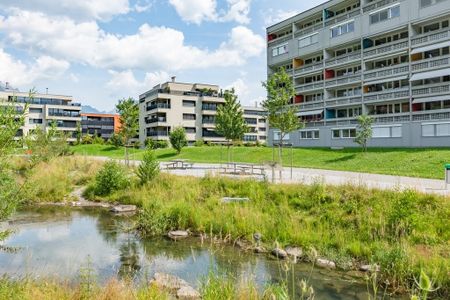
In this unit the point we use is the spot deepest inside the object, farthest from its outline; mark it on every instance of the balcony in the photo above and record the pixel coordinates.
(378, 4)
(310, 105)
(156, 120)
(386, 48)
(65, 114)
(343, 17)
(347, 121)
(431, 116)
(400, 69)
(343, 59)
(431, 89)
(344, 101)
(280, 40)
(312, 124)
(158, 105)
(391, 119)
(308, 30)
(157, 133)
(430, 37)
(433, 63)
(209, 107)
(308, 69)
(387, 95)
(309, 86)
(346, 79)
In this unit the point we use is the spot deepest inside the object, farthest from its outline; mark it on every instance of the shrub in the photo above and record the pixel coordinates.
(199, 143)
(152, 144)
(87, 140)
(162, 144)
(110, 178)
(116, 140)
(98, 140)
(178, 139)
(136, 144)
(148, 169)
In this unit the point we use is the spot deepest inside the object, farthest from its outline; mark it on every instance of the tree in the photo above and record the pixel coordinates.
(364, 131)
(281, 115)
(230, 122)
(178, 139)
(129, 120)
(78, 133)
(149, 167)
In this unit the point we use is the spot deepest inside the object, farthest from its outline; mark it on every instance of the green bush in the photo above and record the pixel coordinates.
(149, 167)
(153, 145)
(136, 144)
(110, 178)
(178, 139)
(162, 144)
(87, 140)
(199, 143)
(116, 140)
(98, 140)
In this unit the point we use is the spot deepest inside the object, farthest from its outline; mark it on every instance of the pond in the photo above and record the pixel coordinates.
(57, 242)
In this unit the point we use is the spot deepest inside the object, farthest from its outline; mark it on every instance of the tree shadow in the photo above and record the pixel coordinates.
(342, 159)
(167, 155)
(110, 148)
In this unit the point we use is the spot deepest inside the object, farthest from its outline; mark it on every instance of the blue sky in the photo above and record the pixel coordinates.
(102, 50)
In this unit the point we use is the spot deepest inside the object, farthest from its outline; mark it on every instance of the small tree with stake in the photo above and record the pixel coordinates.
(230, 122)
(364, 131)
(129, 120)
(281, 115)
(178, 139)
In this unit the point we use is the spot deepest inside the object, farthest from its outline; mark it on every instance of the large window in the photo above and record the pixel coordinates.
(277, 136)
(188, 116)
(425, 3)
(309, 40)
(188, 103)
(437, 129)
(279, 50)
(344, 133)
(394, 131)
(342, 29)
(385, 14)
(309, 135)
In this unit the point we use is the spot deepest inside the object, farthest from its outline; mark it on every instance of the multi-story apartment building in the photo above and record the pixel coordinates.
(192, 106)
(256, 119)
(389, 59)
(44, 109)
(102, 125)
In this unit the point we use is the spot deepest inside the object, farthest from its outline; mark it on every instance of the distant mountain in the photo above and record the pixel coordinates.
(92, 110)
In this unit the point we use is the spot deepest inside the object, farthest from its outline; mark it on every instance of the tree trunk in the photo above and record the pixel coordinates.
(280, 155)
(127, 163)
(228, 153)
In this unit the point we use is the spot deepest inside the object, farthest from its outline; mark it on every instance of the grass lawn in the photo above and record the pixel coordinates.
(426, 163)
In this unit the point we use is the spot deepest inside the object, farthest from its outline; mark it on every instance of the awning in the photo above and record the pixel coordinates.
(431, 99)
(431, 47)
(386, 80)
(431, 74)
(310, 113)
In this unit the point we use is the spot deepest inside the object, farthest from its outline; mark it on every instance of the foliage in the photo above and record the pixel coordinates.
(78, 133)
(116, 140)
(156, 144)
(149, 168)
(199, 143)
(364, 131)
(87, 139)
(98, 140)
(129, 120)
(178, 139)
(110, 178)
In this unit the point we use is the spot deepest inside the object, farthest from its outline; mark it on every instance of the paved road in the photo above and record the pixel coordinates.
(308, 176)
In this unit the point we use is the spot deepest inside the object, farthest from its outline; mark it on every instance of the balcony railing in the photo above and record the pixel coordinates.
(65, 114)
(342, 122)
(343, 17)
(344, 101)
(308, 30)
(309, 105)
(309, 86)
(430, 89)
(430, 37)
(280, 40)
(157, 133)
(384, 72)
(209, 107)
(158, 105)
(387, 95)
(314, 124)
(156, 120)
(211, 134)
(433, 63)
(431, 116)
(391, 119)
(343, 59)
(377, 4)
(308, 68)
(386, 48)
(343, 80)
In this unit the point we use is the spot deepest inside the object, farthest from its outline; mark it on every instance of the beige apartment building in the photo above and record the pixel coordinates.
(43, 109)
(192, 106)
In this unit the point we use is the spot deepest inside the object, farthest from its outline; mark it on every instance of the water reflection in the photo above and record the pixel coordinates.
(58, 241)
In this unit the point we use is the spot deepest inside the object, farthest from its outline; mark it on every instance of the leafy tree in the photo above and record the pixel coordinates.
(129, 120)
(230, 122)
(364, 131)
(281, 115)
(149, 167)
(178, 139)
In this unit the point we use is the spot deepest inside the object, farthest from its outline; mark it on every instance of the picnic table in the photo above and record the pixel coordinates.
(179, 164)
(244, 169)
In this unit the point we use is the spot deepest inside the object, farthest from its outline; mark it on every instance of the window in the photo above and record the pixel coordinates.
(428, 130)
(188, 117)
(342, 29)
(190, 129)
(35, 121)
(277, 136)
(345, 133)
(309, 40)
(188, 103)
(385, 14)
(387, 131)
(425, 3)
(309, 135)
(437, 129)
(279, 50)
(35, 110)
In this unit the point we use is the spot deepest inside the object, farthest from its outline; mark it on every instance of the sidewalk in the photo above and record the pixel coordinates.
(309, 176)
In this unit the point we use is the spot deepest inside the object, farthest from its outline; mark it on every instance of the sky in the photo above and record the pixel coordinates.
(99, 51)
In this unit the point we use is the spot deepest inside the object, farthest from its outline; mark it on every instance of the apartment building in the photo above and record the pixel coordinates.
(192, 106)
(101, 125)
(389, 59)
(44, 109)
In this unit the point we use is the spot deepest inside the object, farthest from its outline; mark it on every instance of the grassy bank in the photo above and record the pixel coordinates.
(426, 163)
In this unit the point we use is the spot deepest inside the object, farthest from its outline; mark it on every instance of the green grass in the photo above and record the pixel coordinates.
(425, 163)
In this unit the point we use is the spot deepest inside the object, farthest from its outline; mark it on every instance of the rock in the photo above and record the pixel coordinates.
(370, 268)
(325, 263)
(294, 252)
(178, 234)
(259, 249)
(279, 253)
(123, 208)
(168, 282)
(188, 293)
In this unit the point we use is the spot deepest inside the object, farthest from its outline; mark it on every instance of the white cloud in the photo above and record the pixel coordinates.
(158, 48)
(238, 11)
(241, 89)
(272, 17)
(143, 6)
(126, 82)
(195, 11)
(19, 73)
